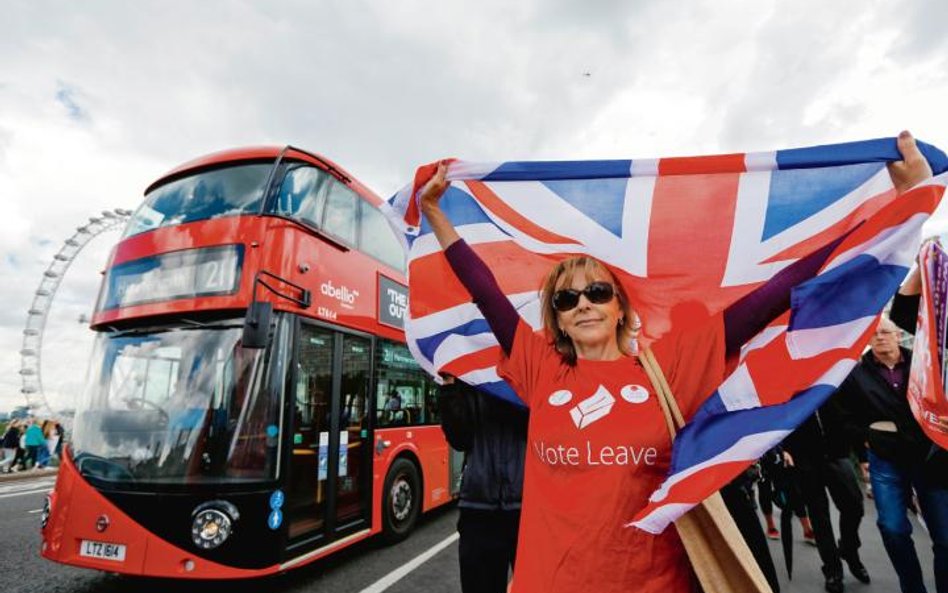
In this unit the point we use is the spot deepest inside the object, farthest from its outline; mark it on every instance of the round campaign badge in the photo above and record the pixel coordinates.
(558, 398)
(634, 394)
(276, 499)
(275, 519)
(272, 431)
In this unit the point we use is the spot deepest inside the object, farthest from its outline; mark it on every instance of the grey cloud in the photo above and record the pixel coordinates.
(68, 97)
(921, 27)
(386, 100)
(797, 59)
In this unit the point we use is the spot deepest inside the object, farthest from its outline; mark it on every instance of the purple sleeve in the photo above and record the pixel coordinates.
(480, 282)
(746, 317)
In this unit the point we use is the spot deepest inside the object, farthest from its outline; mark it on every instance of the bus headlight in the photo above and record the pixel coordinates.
(213, 523)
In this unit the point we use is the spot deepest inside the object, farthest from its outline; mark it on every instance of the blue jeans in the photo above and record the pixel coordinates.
(892, 489)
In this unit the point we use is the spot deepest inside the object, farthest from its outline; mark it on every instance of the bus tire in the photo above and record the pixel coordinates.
(401, 502)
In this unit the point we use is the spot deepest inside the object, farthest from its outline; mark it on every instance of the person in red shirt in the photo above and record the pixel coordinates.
(597, 442)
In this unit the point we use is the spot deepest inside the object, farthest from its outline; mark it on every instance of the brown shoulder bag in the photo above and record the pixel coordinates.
(718, 553)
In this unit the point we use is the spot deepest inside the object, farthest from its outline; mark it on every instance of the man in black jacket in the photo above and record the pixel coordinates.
(819, 450)
(901, 457)
(493, 435)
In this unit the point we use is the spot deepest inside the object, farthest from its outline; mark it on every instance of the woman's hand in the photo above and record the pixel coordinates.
(912, 169)
(430, 199)
(433, 190)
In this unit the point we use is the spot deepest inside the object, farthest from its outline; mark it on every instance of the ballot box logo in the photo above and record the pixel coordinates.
(598, 405)
(594, 407)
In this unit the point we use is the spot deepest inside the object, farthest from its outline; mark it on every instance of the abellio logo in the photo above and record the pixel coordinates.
(345, 295)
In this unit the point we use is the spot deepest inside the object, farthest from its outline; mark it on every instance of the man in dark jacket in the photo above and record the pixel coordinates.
(492, 434)
(819, 451)
(901, 457)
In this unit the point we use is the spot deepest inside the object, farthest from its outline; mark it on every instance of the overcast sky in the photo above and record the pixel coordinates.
(97, 99)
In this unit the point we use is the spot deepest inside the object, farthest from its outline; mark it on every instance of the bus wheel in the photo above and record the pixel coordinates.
(402, 501)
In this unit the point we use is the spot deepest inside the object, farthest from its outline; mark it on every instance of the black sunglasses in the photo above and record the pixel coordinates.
(596, 292)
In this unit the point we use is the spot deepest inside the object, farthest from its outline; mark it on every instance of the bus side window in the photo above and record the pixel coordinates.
(405, 394)
(303, 195)
(432, 411)
(341, 213)
(377, 238)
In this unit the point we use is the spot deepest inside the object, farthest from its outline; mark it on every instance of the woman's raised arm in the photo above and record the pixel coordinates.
(467, 266)
(746, 317)
(431, 207)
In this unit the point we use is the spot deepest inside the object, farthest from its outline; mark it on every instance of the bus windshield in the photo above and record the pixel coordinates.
(182, 404)
(211, 194)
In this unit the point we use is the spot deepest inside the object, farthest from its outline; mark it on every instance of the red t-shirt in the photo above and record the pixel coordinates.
(597, 447)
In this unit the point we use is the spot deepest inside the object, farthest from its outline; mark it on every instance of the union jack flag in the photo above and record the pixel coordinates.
(687, 237)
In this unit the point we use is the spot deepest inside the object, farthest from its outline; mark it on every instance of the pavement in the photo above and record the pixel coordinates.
(29, 474)
(807, 575)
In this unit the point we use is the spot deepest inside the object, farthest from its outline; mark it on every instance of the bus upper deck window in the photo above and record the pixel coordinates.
(303, 194)
(228, 191)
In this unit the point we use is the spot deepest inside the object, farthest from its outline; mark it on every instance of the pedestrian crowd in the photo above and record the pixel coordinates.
(869, 422)
(30, 443)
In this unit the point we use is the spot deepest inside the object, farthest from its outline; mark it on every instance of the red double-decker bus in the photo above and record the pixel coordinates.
(251, 405)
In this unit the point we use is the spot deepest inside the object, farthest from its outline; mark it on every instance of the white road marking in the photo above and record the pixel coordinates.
(18, 486)
(35, 511)
(15, 484)
(22, 493)
(400, 572)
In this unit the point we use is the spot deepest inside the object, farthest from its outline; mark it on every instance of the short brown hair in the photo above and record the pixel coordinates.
(588, 266)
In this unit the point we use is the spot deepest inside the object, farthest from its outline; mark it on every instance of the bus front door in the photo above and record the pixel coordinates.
(329, 487)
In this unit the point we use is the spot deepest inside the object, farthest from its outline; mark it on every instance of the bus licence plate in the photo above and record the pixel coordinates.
(103, 550)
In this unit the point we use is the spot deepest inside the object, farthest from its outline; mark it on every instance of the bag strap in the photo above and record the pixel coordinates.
(717, 550)
(666, 400)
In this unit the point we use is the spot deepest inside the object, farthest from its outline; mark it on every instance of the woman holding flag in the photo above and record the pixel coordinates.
(598, 445)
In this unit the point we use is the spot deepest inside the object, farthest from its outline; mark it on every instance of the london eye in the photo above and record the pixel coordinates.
(32, 349)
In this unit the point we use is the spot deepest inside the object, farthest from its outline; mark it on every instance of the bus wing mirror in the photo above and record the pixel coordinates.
(257, 325)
